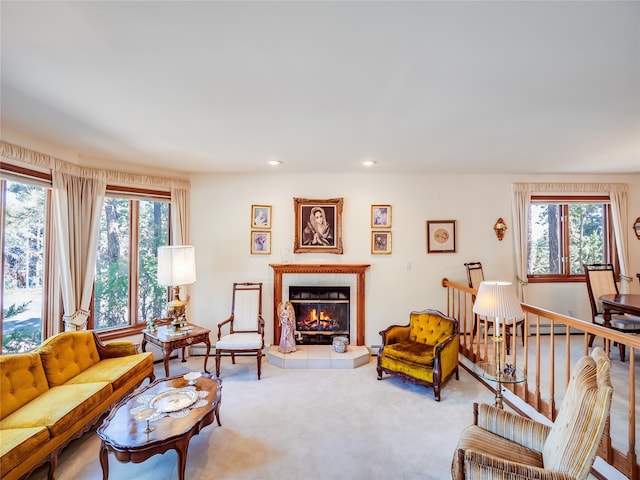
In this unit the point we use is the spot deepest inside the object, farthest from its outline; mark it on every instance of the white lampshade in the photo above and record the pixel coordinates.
(176, 265)
(497, 300)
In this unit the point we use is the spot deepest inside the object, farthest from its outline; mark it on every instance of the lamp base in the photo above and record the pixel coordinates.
(176, 310)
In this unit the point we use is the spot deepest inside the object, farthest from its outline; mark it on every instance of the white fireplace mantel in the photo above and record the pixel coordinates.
(280, 269)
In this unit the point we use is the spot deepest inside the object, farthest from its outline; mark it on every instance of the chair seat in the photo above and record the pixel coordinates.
(240, 341)
(629, 323)
(413, 352)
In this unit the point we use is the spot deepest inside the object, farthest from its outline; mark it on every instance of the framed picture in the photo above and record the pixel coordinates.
(380, 216)
(260, 242)
(260, 216)
(318, 225)
(380, 242)
(441, 236)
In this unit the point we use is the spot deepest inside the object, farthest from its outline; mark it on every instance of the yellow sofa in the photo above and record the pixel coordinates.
(425, 352)
(57, 392)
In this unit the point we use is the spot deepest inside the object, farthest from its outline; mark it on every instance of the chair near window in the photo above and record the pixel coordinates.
(601, 280)
(246, 325)
(475, 275)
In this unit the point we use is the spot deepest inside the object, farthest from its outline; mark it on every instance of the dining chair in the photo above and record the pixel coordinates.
(600, 279)
(475, 275)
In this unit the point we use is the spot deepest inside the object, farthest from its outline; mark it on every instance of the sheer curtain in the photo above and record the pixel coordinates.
(521, 200)
(77, 203)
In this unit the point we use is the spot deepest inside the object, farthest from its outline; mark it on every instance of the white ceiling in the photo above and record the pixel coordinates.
(445, 87)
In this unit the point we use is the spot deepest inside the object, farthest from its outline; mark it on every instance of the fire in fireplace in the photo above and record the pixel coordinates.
(322, 313)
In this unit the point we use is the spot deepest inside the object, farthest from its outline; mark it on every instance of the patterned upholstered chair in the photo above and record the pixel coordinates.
(503, 445)
(425, 352)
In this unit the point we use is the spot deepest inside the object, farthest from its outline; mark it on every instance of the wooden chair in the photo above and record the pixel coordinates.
(503, 445)
(475, 275)
(246, 325)
(600, 279)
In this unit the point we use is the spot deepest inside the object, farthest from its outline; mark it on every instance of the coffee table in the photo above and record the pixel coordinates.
(168, 340)
(128, 437)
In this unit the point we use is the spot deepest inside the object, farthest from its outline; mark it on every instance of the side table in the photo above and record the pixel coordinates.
(505, 374)
(168, 340)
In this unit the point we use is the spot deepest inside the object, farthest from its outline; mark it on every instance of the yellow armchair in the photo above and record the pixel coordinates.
(425, 352)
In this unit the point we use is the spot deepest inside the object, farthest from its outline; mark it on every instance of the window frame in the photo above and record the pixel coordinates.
(134, 195)
(564, 201)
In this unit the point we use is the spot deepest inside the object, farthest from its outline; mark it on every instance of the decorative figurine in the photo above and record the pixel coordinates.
(287, 317)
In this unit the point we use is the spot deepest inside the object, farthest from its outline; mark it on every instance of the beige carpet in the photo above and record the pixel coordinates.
(306, 424)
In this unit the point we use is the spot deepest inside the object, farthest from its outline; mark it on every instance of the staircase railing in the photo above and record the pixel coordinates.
(552, 344)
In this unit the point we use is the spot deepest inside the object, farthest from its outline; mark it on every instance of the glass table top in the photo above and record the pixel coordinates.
(506, 373)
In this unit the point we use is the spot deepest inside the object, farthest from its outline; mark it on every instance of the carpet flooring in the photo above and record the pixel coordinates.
(306, 424)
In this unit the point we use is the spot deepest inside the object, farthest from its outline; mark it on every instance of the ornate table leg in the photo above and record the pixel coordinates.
(166, 353)
(104, 461)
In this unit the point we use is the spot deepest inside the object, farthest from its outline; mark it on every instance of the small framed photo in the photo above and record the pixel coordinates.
(260, 242)
(380, 242)
(318, 225)
(380, 216)
(441, 236)
(260, 216)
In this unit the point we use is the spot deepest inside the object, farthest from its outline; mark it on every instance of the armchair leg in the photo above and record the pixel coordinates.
(259, 363)
(233, 358)
(379, 373)
(217, 364)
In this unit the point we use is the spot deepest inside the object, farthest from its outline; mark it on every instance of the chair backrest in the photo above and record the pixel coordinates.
(572, 444)
(431, 326)
(475, 275)
(601, 280)
(246, 306)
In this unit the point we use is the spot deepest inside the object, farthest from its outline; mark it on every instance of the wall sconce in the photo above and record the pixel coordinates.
(500, 228)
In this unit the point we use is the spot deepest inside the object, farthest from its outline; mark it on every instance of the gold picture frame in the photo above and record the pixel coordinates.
(261, 216)
(380, 216)
(380, 242)
(318, 225)
(441, 236)
(260, 242)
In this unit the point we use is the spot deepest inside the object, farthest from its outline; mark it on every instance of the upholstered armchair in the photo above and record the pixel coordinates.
(503, 445)
(425, 352)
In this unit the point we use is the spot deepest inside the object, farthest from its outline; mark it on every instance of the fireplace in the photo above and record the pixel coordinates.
(322, 313)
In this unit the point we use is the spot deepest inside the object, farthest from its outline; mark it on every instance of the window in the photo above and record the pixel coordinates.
(24, 242)
(126, 292)
(567, 232)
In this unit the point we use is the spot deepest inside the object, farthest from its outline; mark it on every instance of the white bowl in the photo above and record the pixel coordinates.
(191, 377)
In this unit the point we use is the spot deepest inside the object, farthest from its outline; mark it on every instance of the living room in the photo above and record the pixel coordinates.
(561, 113)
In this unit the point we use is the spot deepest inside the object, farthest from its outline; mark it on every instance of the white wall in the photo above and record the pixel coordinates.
(220, 232)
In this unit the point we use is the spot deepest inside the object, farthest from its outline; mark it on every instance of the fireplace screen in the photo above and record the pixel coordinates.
(321, 311)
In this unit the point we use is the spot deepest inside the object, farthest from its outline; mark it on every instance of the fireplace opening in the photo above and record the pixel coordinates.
(322, 313)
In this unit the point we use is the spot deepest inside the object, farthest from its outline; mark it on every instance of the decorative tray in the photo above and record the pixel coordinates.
(173, 401)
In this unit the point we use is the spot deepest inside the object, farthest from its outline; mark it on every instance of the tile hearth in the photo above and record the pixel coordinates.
(319, 356)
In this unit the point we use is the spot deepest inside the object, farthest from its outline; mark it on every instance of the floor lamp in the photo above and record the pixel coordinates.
(176, 266)
(498, 300)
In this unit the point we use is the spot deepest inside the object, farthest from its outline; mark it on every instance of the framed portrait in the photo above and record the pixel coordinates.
(380, 216)
(380, 242)
(318, 225)
(441, 236)
(260, 242)
(260, 216)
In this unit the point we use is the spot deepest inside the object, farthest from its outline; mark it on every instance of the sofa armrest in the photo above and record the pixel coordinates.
(120, 348)
(480, 465)
(395, 334)
(518, 429)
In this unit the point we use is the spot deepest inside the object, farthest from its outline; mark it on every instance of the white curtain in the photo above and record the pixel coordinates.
(77, 203)
(180, 215)
(521, 200)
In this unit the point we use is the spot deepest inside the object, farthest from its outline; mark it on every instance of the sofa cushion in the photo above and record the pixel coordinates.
(117, 371)
(412, 352)
(19, 443)
(59, 408)
(67, 354)
(22, 379)
(429, 328)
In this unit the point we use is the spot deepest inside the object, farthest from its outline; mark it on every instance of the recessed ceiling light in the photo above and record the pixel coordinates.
(274, 163)
(368, 163)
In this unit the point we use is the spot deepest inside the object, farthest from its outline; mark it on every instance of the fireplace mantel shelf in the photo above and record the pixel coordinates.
(280, 269)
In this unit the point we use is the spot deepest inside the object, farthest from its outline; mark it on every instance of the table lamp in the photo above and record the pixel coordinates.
(498, 300)
(176, 266)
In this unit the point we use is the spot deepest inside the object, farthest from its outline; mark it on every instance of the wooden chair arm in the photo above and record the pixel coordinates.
(395, 334)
